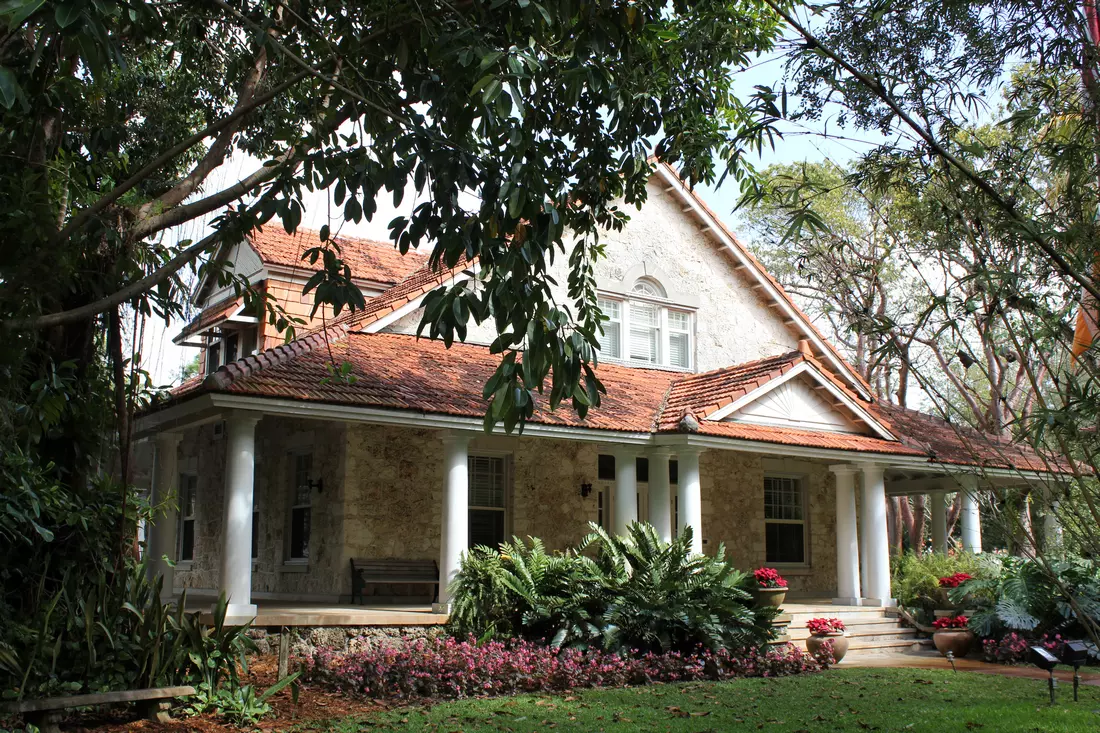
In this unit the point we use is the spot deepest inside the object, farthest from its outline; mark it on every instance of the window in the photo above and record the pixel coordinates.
(605, 467)
(301, 509)
(488, 476)
(611, 340)
(255, 529)
(642, 328)
(229, 345)
(213, 357)
(232, 341)
(784, 520)
(185, 543)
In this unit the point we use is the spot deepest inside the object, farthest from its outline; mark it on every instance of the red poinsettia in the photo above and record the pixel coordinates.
(825, 626)
(769, 578)
(954, 581)
(950, 622)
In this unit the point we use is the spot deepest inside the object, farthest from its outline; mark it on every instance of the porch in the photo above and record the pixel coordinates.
(274, 506)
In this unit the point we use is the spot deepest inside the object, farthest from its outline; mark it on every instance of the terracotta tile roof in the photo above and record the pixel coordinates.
(368, 259)
(210, 316)
(957, 444)
(397, 371)
(401, 372)
(708, 392)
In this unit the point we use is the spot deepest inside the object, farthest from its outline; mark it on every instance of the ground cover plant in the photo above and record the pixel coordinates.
(633, 593)
(443, 667)
(837, 700)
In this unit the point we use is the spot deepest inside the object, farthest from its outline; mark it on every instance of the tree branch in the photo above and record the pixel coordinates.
(1061, 264)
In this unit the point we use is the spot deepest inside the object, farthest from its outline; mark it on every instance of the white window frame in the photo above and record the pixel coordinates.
(804, 522)
(506, 461)
(664, 306)
(185, 517)
(293, 504)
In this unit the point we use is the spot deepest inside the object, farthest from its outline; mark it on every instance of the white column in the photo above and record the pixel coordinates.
(660, 500)
(1052, 531)
(240, 468)
(939, 522)
(624, 504)
(970, 517)
(847, 544)
(455, 538)
(875, 541)
(160, 532)
(689, 496)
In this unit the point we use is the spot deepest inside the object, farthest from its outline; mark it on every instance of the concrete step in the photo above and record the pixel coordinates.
(853, 617)
(881, 634)
(887, 647)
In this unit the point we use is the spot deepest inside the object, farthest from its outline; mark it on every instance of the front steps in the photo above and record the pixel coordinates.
(871, 630)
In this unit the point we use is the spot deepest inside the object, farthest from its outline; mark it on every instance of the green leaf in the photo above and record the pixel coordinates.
(9, 87)
(67, 13)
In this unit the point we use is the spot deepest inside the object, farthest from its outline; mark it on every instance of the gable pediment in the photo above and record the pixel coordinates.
(795, 404)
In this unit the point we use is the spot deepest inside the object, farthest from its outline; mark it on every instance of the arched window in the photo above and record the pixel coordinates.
(646, 328)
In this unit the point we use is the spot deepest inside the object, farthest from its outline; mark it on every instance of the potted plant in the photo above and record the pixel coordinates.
(770, 589)
(952, 635)
(827, 632)
(948, 583)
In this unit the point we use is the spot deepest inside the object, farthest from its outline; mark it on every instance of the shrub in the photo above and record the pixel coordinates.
(1034, 599)
(825, 626)
(618, 593)
(447, 668)
(916, 578)
(769, 578)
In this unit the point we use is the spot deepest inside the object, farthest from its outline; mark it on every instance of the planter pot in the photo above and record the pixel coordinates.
(840, 645)
(941, 613)
(769, 596)
(956, 641)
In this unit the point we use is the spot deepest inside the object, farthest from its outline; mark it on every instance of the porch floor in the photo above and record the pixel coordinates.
(284, 613)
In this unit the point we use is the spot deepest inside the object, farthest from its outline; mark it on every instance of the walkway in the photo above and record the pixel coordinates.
(934, 660)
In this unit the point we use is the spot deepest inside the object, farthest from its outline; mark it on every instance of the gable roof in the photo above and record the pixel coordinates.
(369, 259)
(763, 281)
(421, 376)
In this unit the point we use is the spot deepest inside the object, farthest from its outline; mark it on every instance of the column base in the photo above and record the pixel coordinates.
(847, 601)
(441, 608)
(237, 614)
(881, 602)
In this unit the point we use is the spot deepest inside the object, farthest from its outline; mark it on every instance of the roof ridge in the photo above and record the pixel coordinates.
(251, 364)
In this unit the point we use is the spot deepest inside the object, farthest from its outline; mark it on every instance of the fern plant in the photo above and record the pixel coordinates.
(625, 594)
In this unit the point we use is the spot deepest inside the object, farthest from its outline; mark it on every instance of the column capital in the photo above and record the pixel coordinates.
(456, 437)
(626, 450)
(659, 450)
(243, 417)
(872, 468)
(168, 440)
(844, 469)
(689, 450)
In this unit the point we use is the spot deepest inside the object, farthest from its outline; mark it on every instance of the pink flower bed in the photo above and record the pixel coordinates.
(1013, 648)
(954, 581)
(447, 668)
(948, 623)
(823, 626)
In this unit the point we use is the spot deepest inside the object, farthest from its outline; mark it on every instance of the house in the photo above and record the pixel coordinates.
(726, 411)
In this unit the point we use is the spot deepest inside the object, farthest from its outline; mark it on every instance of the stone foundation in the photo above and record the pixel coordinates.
(304, 641)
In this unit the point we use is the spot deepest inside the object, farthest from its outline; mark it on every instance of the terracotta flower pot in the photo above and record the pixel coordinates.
(956, 641)
(840, 645)
(769, 596)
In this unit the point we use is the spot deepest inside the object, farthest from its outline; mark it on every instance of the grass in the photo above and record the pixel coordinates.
(837, 700)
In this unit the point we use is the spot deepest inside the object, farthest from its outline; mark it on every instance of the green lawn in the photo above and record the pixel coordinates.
(838, 700)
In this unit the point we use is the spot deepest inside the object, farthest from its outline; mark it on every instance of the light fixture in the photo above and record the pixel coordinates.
(1075, 653)
(318, 485)
(586, 489)
(1044, 660)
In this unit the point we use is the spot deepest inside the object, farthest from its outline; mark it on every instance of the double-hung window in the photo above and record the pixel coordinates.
(301, 508)
(185, 542)
(784, 520)
(644, 328)
(488, 477)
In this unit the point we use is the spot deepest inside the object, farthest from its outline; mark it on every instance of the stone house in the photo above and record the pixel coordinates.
(726, 411)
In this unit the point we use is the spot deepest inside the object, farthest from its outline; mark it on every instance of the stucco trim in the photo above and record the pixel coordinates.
(809, 370)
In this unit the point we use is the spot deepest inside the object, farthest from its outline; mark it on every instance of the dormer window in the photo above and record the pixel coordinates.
(645, 327)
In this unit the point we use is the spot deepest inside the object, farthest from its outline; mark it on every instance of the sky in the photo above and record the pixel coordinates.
(164, 360)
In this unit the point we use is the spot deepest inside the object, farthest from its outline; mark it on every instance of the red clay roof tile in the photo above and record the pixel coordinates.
(368, 259)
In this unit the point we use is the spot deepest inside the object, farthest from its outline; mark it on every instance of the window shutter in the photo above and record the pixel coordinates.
(644, 333)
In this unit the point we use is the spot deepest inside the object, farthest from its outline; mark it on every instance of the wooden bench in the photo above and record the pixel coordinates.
(414, 572)
(46, 712)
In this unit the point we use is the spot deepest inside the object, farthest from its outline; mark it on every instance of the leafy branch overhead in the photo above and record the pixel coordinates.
(130, 116)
